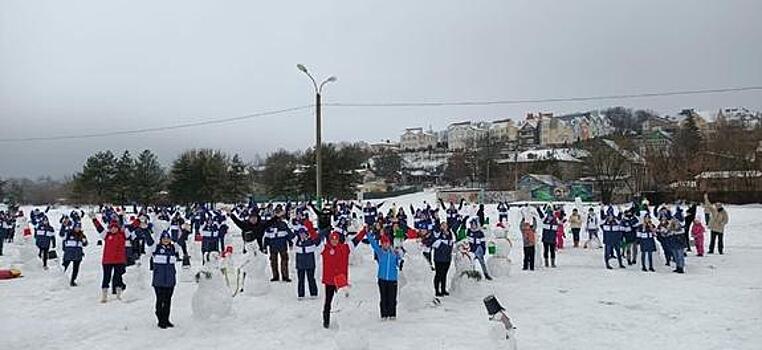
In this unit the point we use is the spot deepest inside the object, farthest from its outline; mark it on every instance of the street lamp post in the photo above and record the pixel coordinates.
(318, 129)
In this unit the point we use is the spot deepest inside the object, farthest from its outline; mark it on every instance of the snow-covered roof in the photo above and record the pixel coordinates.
(549, 180)
(729, 174)
(629, 155)
(539, 155)
(683, 184)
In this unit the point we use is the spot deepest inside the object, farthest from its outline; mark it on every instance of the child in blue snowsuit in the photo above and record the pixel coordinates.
(388, 263)
(164, 280)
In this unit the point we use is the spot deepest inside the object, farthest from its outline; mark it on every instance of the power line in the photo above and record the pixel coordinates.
(157, 128)
(379, 104)
(543, 100)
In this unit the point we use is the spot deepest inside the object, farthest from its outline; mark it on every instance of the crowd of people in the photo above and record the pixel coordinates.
(328, 234)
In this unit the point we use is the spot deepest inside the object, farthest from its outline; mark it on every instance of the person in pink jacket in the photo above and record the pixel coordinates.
(698, 236)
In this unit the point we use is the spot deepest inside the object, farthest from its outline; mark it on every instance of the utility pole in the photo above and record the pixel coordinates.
(318, 131)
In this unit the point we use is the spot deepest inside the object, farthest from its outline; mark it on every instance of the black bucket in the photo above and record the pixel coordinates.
(492, 305)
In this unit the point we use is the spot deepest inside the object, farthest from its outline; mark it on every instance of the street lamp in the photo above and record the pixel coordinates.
(318, 127)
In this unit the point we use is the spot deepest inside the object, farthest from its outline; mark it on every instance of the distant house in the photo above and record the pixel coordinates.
(528, 133)
(565, 163)
(657, 141)
(503, 130)
(729, 181)
(385, 146)
(465, 134)
(416, 139)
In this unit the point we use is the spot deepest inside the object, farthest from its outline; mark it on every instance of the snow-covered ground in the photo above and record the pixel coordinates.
(717, 304)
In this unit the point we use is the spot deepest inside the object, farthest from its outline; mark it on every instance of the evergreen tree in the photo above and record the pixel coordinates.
(239, 180)
(278, 175)
(124, 179)
(148, 179)
(199, 176)
(96, 180)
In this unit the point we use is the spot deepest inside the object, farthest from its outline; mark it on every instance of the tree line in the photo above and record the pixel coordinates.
(198, 175)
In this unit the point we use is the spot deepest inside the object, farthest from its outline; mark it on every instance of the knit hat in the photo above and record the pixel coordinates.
(385, 240)
(165, 234)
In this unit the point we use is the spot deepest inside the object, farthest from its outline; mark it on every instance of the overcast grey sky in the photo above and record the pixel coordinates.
(70, 67)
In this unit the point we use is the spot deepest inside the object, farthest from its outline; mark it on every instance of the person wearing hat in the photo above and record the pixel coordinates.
(592, 225)
(44, 239)
(478, 244)
(718, 219)
(324, 217)
(612, 239)
(73, 242)
(114, 256)
(442, 246)
(662, 231)
(388, 259)
(575, 222)
(529, 237)
(335, 256)
(676, 242)
(164, 280)
(278, 238)
(306, 244)
(646, 235)
(549, 229)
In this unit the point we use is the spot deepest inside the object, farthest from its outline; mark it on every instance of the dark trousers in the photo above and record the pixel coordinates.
(388, 293)
(74, 268)
(112, 272)
(309, 274)
(687, 229)
(611, 250)
(575, 235)
(43, 254)
(163, 303)
(2, 241)
(330, 290)
(549, 248)
(716, 236)
(647, 255)
(283, 264)
(529, 258)
(440, 276)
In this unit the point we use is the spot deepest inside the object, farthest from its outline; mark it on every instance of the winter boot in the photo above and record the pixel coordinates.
(119, 293)
(546, 262)
(553, 263)
(644, 269)
(679, 270)
(104, 295)
(326, 319)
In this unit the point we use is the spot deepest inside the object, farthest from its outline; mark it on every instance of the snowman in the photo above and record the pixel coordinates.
(499, 263)
(252, 273)
(414, 292)
(212, 297)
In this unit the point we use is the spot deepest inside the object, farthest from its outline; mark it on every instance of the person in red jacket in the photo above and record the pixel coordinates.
(336, 268)
(114, 256)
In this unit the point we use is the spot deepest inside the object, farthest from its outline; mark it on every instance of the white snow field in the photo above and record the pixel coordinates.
(717, 304)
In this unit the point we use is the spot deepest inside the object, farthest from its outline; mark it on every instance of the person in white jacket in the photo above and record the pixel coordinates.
(591, 225)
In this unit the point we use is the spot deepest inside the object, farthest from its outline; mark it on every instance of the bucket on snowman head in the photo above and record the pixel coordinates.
(27, 232)
(491, 248)
(492, 305)
(228, 251)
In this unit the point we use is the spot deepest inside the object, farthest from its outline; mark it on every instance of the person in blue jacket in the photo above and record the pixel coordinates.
(370, 212)
(442, 246)
(612, 239)
(210, 239)
(388, 264)
(278, 238)
(630, 228)
(44, 239)
(73, 242)
(647, 243)
(163, 266)
(502, 211)
(549, 229)
(305, 247)
(478, 244)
